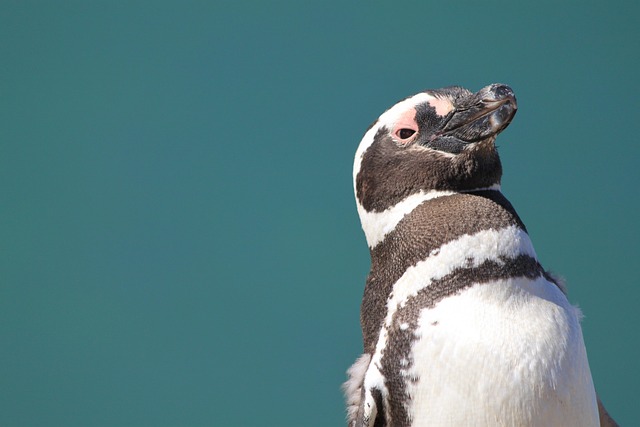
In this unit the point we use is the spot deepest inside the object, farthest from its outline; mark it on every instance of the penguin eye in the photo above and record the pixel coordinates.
(405, 133)
(405, 127)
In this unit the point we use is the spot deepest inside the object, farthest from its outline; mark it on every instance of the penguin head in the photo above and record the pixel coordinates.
(441, 139)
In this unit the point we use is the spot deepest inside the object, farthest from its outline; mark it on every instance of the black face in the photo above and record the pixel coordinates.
(444, 144)
(475, 117)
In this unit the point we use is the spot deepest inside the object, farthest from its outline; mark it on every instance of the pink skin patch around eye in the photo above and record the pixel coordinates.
(406, 121)
(442, 106)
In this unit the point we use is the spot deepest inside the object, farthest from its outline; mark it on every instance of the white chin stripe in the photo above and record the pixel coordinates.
(377, 225)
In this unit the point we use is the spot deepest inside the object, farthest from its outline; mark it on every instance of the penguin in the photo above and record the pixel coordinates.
(461, 324)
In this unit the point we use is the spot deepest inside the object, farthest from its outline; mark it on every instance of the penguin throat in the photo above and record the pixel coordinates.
(389, 174)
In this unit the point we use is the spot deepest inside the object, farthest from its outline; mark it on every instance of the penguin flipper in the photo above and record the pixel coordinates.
(353, 390)
(362, 404)
(605, 418)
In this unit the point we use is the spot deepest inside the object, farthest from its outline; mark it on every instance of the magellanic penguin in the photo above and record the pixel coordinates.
(461, 324)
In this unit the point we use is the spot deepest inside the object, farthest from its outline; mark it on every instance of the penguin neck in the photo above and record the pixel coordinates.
(385, 175)
(424, 222)
(377, 225)
(479, 167)
(390, 183)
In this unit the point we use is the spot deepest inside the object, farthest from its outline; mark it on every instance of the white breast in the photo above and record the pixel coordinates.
(504, 353)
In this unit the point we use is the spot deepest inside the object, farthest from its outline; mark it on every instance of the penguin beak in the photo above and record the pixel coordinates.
(481, 115)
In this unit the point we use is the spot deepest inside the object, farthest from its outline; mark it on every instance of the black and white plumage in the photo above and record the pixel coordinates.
(461, 324)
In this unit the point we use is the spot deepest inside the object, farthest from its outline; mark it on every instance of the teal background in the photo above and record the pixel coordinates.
(179, 240)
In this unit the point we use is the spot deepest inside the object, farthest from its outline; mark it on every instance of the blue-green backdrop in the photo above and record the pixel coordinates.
(180, 245)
